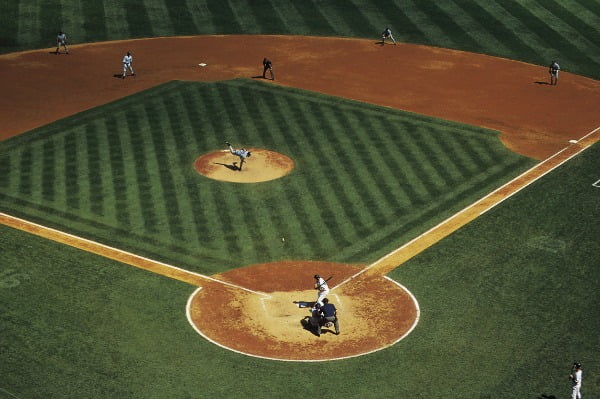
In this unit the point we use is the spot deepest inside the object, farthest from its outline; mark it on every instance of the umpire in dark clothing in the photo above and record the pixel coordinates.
(329, 316)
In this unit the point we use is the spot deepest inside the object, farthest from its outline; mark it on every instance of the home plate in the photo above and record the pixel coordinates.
(202, 64)
(573, 141)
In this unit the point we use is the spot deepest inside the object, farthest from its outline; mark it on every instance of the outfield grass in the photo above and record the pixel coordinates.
(527, 30)
(507, 303)
(366, 178)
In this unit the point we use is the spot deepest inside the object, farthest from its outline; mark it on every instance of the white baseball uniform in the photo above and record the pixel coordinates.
(576, 381)
(323, 288)
(127, 61)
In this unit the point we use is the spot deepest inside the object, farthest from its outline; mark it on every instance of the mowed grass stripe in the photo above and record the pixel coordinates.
(376, 147)
(426, 150)
(175, 160)
(163, 193)
(343, 222)
(272, 223)
(549, 36)
(140, 188)
(36, 165)
(292, 219)
(107, 199)
(301, 201)
(181, 17)
(118, 178)
(51, 20)
(94, 25)
(367, 200)
(470, 26)
(226, 207)
(158, 15)
(498, 27)
(442, 158)
(29, 22)
(569, 25)
(356, 20)
(268, 18)
(188, 147)
(402, 171)
(25, 165)
(223, 16)
(433, 32)
(255, 220)
(311, 213)
(10, 23)
(367, 154)
(94, 169)
(312, 17)
(137, 18)
(403, 27)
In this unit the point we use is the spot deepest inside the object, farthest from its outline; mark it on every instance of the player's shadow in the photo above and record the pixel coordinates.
(305, 322)
(544, 396)
(539, 82)
(229, 166)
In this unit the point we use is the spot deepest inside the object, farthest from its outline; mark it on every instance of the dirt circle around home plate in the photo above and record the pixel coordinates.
(262, 165)
(268, 317)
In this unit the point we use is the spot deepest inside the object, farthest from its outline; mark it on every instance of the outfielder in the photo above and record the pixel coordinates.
(553, 71)
(61, 40)
(575, 377)
(127, 61)
(322, 287)
(242, 153)
(387, 34)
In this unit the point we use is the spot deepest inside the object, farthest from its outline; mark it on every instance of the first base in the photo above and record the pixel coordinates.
(202, 64)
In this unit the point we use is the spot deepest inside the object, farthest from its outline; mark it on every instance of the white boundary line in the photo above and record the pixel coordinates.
(538, 165)
(120, 251)
(412, 327)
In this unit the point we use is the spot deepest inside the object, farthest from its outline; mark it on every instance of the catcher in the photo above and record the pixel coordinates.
(323, 288)
(61, 40)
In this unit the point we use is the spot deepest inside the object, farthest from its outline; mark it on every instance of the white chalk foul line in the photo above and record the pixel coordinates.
(117, 251)
(478, 202)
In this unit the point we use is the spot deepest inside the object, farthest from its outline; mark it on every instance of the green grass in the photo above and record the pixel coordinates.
(527, 30)
(366, 178)
(507, 298)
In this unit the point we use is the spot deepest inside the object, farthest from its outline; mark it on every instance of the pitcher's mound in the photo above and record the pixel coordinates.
(271, 320)
(263, 165)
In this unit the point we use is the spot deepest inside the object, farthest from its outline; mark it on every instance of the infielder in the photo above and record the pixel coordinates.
(575, 378)
(268, 66)
(61, 40)
(127, 61)
(242, 153)
(387, 34)
(553, 71)
(323, 288)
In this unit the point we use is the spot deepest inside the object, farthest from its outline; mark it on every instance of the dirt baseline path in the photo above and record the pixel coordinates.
(535, 119)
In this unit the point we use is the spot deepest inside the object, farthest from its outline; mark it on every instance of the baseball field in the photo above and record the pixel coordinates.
(447, 190)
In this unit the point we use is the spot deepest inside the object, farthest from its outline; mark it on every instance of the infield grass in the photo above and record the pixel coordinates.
(366, 178)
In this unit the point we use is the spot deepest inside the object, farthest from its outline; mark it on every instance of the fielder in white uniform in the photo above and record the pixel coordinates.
(387, 34)
(242, 153)
(61, 40)
(127, 61)
(322, 287)
(553, 71)
(575, 378)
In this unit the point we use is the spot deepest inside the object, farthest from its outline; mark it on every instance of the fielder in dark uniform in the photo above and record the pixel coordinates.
(268, 66)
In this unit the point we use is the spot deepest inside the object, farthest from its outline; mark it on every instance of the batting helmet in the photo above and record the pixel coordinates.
(317, 276)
